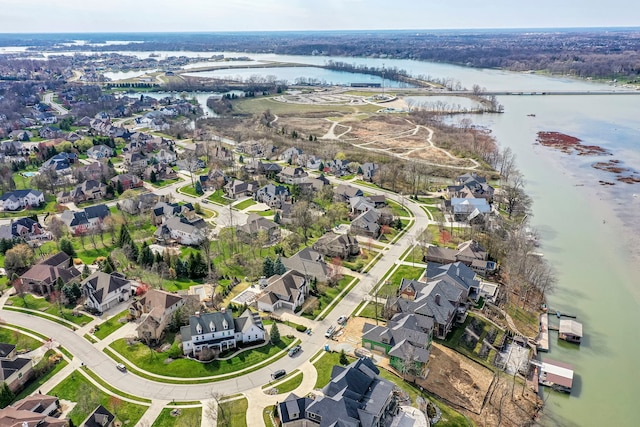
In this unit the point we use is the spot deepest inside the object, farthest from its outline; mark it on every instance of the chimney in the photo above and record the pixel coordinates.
(438, 299)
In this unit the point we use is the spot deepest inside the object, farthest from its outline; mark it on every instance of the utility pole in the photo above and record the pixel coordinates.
(383, 79)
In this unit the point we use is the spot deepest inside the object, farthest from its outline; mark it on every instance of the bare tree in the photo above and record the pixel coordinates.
(303, 218)
(216, 412)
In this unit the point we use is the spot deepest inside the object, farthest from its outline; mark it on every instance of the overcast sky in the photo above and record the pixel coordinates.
(268, 15)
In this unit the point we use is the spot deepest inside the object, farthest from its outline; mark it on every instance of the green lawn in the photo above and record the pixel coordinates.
(112, 389)
(369, 311)
(325, 365)
(45, 306)
(141, 357)
(268, 212)
(397, 208)
(187, 417)
(77, 388)
(105, 329)
(328, 296)
(233, 413)
(266, 415)
(219, 198)
(20, 340)
(294, 381)
(36, 383)
(190, 190)
(245, 204)
(390, 286)
(165, 182)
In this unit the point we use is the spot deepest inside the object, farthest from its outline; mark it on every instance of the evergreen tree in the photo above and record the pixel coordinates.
(67, 247)
(321, 167)
(6, 395)
(119, 188)
(276, 217)
(59, 284)
(198, 188)
(124, 237)
(145, 257)
(181, 268)
(278, 267)
(274, 335)
(107, 266)
(343, 358)
(72, 292)
(267, 267)
(196, 266)
(85, 271)
(153, 177)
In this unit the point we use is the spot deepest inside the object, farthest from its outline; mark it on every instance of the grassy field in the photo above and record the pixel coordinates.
(255, 106)
(219, 198)
(233, 413)
(390, 287)
(45, 306)
(141, 357)
(77, 388)
(20, 340)
(165, 182)
(245, 204)
(325, 365)
(190, 190)
(369, 311)
(113, 324)
(187, 417)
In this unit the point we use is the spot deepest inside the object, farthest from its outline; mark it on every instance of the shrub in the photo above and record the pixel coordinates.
(301, 328)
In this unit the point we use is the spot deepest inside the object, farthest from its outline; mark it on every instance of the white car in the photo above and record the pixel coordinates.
(121, 367)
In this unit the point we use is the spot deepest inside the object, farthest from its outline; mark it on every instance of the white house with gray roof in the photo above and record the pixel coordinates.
(220, 331)
(103, 291)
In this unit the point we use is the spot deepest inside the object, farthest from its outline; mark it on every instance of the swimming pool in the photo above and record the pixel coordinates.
(29, 174)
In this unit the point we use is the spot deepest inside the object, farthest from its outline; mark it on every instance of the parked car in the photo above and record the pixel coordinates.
(278, 374)
(342, 320)
(121, 367)
(294, 350)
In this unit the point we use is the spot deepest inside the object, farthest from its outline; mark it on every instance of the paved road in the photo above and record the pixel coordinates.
(48, 99)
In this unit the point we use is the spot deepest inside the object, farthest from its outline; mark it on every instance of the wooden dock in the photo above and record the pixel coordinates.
(543, 335)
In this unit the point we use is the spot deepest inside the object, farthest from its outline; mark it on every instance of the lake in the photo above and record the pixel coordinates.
(589, 232)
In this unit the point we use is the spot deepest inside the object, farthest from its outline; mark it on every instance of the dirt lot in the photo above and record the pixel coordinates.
(305, 126)
(470, 387)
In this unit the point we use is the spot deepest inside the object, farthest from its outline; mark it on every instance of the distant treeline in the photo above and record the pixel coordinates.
(596, 53)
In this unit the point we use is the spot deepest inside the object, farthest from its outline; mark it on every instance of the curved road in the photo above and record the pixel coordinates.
(105, 367)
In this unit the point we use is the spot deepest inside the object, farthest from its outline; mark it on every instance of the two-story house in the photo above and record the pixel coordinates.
(220, 331)
(42, 277)
(20, 199)
(88, 190)
(100, 152)
(127, 181)
(154, 311)
(337, 245)
(16, 371)
(86, 220)
(293, 175)
(103, 291)
(273, 195)
(286, 291)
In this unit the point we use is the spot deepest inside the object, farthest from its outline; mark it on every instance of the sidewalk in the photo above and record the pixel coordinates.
(152, 413)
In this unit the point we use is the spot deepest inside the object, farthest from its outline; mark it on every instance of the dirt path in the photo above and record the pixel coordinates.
(330, 135)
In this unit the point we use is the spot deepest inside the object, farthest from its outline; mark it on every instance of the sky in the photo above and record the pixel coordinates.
(64, 16)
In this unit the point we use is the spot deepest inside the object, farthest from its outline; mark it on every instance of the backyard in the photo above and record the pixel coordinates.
(178, 417)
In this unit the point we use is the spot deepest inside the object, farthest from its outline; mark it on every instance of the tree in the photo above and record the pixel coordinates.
(303, 218)
(67, 247)
(72, 292)
(267, 267)
(57, 228)
(205, 246)
(124, 237)
(153, 177)
(343, 358)
(276, 217)
(18, 259)
(274, 334)
(198, 188)
(278, 267)
(85, 272)
(218, 413)
(119, 187)
(6, 395)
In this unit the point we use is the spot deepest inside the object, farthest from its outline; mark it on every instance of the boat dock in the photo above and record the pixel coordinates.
(543, 335)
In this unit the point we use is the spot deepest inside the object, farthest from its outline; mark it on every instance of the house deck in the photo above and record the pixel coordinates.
(543, 336)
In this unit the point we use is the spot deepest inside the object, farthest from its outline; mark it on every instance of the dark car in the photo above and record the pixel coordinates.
(278, 374)
(294, 350)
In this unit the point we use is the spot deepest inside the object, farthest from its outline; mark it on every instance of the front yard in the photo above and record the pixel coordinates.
(42, 305)
(326, 295)
(105, 329)
(392, 283)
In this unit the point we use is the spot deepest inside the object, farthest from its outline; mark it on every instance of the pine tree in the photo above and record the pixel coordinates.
(85, 271)
(153, 177)
(321, 167)
(181, 268)
(67, 247)
(274, 335)
(198, 188)
(276, 217)
(278, 267)
(6, 395)
(343, 358)
(124, 237)
(267, 267)
(119, 188)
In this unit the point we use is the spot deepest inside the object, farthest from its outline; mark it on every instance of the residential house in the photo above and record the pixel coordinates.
(215, 180)
(14, 371)
(293, 175)
(273, 195)
(162, 211)
(180, 230)
(356, 396)
(190, 165)
(367, 224)
(165, 157)
(100, 152)
(369, 170)
(256, 224)
(310, 263)
(444, 297)
(127, 180)
(88, 219)
(138, 204)
(470, 253)
(20, 199)
(337, 167)
(406, 339)
(337, 245)
(154, 311)
(42, 277)
(360, 204)
(287, 291)
(35, 410)
(290, 155)
(310, 162)
(61, 162)
(465, 209)
(23, 228)
(95, 170)
(286, 213)
(49, 132)
(103, 291)
(162, 171)
(312, 185)
(237, 188)
(220, 331)
(270, 170)
(88, 190)
(15, 147)
(135, 162)
(344, 192)
(100, 417)
(475, 185)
